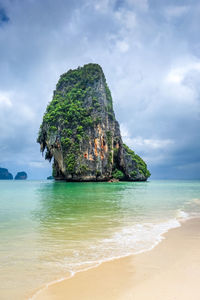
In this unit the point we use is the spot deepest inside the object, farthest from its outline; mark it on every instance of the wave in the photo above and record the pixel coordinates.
(182, 215)
(130, 240)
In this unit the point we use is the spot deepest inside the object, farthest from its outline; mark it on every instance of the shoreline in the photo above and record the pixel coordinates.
(161, 237)
(120, 274)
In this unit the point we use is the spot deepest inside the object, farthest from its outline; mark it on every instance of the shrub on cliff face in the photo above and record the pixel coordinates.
(117, 174)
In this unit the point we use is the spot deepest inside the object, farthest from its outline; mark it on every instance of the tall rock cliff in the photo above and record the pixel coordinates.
(80, 132)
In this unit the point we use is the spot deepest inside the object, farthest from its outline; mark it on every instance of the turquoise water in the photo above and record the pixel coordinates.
(50, 230)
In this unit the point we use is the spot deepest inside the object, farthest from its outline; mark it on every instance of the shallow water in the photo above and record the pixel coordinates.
(49, 230)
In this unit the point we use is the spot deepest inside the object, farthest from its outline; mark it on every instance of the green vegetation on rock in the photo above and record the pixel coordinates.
(117, 174)
(139, 161)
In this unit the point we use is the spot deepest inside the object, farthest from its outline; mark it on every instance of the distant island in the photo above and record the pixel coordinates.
(21, 176)
(5, 175)
(80, 132)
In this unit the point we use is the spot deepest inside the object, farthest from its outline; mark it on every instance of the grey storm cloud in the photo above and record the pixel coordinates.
(150, 53)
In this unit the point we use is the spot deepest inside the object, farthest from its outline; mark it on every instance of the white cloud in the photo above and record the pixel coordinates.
(140, 142)
(26, 112)
(174, 11)
(151, 143)
(102, 5)
(5, 100)
(38, 164)
(127, 18)
(177, 74)
(123, 46)
(141, 4)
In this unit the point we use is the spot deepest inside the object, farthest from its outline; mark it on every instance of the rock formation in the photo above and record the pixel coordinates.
(80, 132)
(21, 176)
(5, 175)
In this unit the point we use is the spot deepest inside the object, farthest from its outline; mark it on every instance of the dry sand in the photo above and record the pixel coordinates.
(171, 271)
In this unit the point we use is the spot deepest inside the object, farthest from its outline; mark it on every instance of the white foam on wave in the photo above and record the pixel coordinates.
(139, 237)
(129, 240)
(182, 215)
(192, 208)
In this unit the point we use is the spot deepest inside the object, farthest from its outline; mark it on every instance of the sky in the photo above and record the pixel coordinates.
(150, 54)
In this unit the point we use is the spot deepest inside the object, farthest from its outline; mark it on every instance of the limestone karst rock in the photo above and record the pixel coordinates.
(5, 175)
(80, 132)
(21, 176)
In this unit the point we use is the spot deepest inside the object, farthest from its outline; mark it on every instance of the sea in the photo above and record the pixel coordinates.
(51, 230)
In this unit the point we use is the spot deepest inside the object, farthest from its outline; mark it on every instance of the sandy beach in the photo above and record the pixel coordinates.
(171, 271)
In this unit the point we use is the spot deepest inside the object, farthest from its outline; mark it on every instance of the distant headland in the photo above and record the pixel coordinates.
(80, 132)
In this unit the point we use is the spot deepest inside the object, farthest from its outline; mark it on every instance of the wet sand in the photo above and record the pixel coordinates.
(171, 271)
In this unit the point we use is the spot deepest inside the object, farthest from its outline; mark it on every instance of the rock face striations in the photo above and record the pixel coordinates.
(80, 132)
